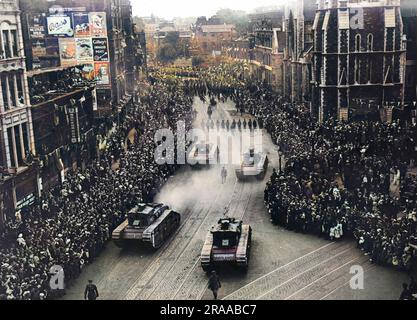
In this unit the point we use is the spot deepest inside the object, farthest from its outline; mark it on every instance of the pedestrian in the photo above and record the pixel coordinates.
(214, 284)
(224, 174)
(91, 292)
(406, 293)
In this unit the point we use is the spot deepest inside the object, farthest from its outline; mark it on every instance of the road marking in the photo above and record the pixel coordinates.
(347, 282)
(279, 268)
(309, 269)
(323, 277)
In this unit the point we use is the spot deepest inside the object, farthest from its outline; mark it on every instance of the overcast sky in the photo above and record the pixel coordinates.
(194, 8)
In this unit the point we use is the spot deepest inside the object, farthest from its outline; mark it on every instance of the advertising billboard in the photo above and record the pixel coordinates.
(39, 48)
(67, 51)
(81, 25)
(84, 48)
(98, 24)
(100, 49)
(77, 37)
(102, 73)
(60, 26)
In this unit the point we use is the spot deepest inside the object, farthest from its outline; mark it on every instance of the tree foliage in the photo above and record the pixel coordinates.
(172, 48)
(238, 18)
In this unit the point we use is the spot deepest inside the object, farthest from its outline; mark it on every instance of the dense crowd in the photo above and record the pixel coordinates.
(66, 81)
(70, 225)
(340, 178)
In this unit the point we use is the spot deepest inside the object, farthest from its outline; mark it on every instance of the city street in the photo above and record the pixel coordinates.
(283, 265)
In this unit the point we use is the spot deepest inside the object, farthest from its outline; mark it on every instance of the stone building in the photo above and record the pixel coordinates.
(16, 132)
(298, 24)
(274, 17)
(211, 38)
(359, 58)
(266, 56)
(135, 49)
(409, 14)
(68, 72)
(94, 33)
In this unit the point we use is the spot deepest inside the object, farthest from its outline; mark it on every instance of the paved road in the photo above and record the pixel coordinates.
(284, 265)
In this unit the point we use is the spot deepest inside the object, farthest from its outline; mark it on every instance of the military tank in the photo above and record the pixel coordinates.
(228, 243)
(253, 165)
(150, 224)
(203, 154)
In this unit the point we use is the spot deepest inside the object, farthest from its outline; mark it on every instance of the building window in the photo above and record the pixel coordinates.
(14, 43)
(6, 104)
(370, 42)
(358, 43)
(6, 44)
(19, 83)
(9, 41)
(357, 73)
(18, 145)
(369, 70)
(12, 91)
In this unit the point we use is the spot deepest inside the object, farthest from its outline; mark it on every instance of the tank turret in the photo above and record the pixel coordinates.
(227, 243)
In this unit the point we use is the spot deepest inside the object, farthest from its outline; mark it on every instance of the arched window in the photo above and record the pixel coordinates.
(370, 42)
(8, 46)
(358, 43)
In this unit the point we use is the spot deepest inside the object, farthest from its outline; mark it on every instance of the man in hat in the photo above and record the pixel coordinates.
(91, 292)
(214, 284)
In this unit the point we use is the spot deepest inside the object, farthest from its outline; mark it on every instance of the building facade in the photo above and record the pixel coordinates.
(298, 24)
(94, 33)
(212, 38)
(359, 57)
(409, 15)
(16, 131)
(69, 70)
(266, 62)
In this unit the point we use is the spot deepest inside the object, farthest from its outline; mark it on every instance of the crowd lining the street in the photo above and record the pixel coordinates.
(340, 178)
(71, 224)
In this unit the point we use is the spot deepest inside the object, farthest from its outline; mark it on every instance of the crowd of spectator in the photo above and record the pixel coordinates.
(69, 225)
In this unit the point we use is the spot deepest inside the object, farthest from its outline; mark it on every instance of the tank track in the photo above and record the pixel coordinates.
(243, 249)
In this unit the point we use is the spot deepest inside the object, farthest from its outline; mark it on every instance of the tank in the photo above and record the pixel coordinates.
(228, 243)
(203, 155)
(151, 224)
(253, 165)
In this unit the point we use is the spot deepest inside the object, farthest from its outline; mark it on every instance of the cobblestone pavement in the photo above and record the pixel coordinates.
(284, 264)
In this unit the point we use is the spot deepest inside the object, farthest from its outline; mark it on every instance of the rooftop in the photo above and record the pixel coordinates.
(217, 28)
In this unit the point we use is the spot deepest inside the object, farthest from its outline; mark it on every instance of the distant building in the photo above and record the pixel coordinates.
(274, 17)
(298, 24)
(266, 63)
(211, 38)
(359, 58)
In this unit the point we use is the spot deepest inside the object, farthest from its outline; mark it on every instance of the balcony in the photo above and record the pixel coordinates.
(11, 64)
(53, 84)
